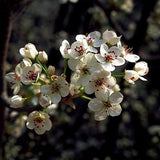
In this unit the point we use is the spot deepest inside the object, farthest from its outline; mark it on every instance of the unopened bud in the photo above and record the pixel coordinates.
(51, 70)
(42, 56)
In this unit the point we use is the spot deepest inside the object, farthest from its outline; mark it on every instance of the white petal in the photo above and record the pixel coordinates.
(45, 89)
(95, 105)
(72, 63)
(64, 91)
(98, 43)
(115, 110)
(102, 94)
(55, 98)
(142, 78)
(99, 58)
(80, 37)
(108, 67)
(132, 58)
(92, 49)
(116, 98)
(118, 62)
(103, 49)
(94, 35)
(39, 130)
(30, 125)
(85, 80)
(100, 116)
(90, 88)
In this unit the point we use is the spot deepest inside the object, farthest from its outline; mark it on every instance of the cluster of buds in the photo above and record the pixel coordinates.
(93, 59)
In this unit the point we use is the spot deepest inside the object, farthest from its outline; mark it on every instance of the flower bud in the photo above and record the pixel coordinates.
(42, 56)
(51, 70)
(141, 68)
(16, 101)
(29, 51)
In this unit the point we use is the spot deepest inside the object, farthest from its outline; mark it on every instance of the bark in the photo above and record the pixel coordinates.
(5, 32)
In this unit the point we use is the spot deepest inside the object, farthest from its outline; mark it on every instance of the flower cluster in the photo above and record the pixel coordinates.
(93, 59)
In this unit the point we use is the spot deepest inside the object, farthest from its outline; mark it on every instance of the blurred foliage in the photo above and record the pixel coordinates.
(75, 134)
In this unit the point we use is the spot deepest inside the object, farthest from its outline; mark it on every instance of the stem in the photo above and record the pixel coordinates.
(86, 97)
(65, 66)
(118, 75)
(44, 68)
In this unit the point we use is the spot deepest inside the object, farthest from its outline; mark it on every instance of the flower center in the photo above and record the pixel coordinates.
(31, 75)
(84, 70)
(90, 41)
(99, 82)
(55, 87)
(38, 120)
(109, 58)
(79, 49)
(107, 104)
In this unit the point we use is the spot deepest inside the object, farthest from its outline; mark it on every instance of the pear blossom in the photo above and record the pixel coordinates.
(106, 104)
(131, 76)
(109, 57)
(65, 46)
(57, 89)
(83, 69)
(78, 49)
(30, 74)
(42, 56)
(39, 121)
(29, 51)
(16, 101)
(141, 68)
(93, 40)
(14, 79)
(100, 80)
(111, 37)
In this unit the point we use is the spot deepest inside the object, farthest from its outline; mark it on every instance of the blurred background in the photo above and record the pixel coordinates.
(75, 135)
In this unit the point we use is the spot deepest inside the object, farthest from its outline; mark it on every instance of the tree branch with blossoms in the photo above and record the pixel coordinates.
(93, 60)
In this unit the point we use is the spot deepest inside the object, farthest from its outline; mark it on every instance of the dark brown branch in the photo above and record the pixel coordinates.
(5, 32)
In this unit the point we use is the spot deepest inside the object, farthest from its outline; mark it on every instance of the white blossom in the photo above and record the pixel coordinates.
(100, 80)
(29, 51)
(14, 79)
(106, 104)
(78, 49)
(39, 121)
(57, 89)
(131, 76)
(93, 40)
(83, 69)
(30, 74)
(109, 57)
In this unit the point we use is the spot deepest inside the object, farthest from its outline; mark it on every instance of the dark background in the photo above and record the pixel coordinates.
(75, 135)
